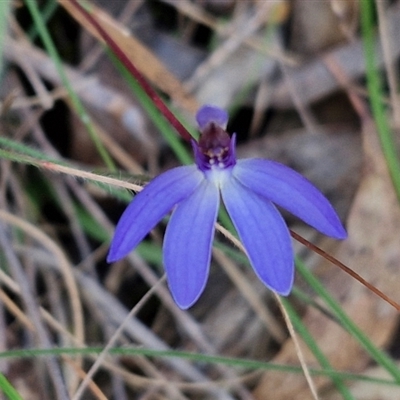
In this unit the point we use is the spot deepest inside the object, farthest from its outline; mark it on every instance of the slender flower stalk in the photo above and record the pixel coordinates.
(249, 189)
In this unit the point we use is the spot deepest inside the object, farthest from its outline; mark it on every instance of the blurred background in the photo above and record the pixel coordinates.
(311, 84)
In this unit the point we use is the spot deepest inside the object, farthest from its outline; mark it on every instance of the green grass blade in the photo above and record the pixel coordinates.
(378, 355)
(25, 150)
(313, 346)
(47, 12)
(195, 357)
(122, 194)
(8, 389)
(376, 94)
(4, 11)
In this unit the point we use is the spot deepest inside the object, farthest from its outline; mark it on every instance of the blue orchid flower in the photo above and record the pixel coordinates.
(249, 188)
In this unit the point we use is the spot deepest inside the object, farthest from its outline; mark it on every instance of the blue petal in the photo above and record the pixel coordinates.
(264, 234)
(292, 191)
(188, 242)
(209, 113)
(150, 205)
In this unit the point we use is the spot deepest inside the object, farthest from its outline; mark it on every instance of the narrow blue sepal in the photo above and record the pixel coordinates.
(150, 206)
(291, 191)
(188, 244)
(264, 235)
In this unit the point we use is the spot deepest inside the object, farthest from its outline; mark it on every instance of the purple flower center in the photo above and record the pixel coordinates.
(215, 149)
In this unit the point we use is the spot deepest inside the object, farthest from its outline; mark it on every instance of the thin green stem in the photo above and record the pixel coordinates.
(376, 94)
